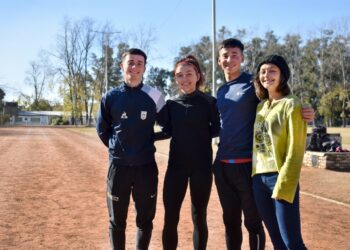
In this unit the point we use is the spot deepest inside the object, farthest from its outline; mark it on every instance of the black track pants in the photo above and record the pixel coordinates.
(141, 182)
(234, 186)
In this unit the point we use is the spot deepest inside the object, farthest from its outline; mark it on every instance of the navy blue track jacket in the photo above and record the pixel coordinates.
(236, 101)
(126, 120)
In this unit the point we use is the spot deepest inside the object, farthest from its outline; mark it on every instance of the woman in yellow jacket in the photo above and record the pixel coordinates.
(279, 144)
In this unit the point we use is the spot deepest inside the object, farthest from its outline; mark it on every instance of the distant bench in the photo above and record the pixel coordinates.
(339, 161)
(332, 136)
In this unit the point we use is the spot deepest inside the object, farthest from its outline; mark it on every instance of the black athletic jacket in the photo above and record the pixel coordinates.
(125, 123)
(191, 122)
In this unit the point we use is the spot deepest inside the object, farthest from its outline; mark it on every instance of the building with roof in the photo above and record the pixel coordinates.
(37, 117)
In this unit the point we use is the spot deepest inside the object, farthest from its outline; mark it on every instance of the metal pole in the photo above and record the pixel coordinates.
(106, 59)
(105, 38)
(213, 88)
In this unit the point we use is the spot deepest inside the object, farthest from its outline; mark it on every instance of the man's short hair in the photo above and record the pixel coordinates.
(134, 51)
(231, 43)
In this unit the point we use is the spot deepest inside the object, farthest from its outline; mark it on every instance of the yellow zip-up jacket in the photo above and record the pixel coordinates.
(279, 143)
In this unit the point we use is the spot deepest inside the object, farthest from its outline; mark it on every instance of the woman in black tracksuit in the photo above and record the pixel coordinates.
(192, 120)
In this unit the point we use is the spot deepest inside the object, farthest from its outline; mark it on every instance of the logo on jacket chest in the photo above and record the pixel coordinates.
(124, 115)
(143, 115)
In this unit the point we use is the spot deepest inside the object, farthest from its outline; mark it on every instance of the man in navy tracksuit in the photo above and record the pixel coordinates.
(125, 125)
(236, 101)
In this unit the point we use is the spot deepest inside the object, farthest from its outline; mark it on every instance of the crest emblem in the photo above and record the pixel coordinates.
(143, 115)
(124, 116)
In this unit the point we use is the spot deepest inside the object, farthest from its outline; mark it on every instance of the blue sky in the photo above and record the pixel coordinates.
(28, 26)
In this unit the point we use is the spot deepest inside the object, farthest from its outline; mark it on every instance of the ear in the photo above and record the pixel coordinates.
(242, 58)
(219, 60)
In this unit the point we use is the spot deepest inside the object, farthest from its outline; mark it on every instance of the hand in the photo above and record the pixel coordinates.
(308, 114)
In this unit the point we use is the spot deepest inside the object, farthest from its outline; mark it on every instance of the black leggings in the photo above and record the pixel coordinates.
(175, 186)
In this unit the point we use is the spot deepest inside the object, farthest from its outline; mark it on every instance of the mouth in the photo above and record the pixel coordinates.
(133, 73)
(227, 66)
(269, 82)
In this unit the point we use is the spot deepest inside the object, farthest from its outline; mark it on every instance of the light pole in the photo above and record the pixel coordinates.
(105, 41)
(213, 91)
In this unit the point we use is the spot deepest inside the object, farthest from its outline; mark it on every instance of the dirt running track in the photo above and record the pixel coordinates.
(52, 196)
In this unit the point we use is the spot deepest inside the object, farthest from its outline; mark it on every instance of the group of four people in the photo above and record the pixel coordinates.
(125, 125)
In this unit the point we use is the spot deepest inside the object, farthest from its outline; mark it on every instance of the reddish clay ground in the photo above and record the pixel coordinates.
(52, 183)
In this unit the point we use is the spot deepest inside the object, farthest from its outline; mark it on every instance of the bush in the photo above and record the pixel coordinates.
(4, 119)
(59, 121)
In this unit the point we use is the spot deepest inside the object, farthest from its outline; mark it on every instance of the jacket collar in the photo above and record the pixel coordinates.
(128, 88)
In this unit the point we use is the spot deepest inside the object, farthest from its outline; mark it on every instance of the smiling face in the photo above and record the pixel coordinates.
(133, 67)
(230, 60)
(270, 77)
(186, 77)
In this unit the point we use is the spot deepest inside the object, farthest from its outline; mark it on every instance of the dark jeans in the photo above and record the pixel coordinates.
(234, 186)
(281, 218)
(175, 186)
(141, 182)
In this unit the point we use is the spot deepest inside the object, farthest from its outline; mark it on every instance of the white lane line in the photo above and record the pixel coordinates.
(325, 199)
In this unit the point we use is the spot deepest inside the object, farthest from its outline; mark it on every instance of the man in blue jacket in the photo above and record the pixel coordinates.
(125, 124)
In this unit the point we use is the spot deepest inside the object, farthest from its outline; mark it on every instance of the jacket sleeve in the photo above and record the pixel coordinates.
(214, 119)
(104, 126)
(163, 120)
(289, 174)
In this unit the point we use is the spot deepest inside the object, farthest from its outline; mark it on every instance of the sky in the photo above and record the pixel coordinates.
(29, 26)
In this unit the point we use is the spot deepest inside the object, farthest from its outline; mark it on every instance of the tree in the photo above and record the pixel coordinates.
(38, 76)
(73, 50)
(292, 51)
(202, 51)
(340, 51)
(42, 105)
(253, 53)
(142, 38)
(331, 106)
(309, 90)
(271, 44)
(158, 78)
(223, 33)
(2, 96)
